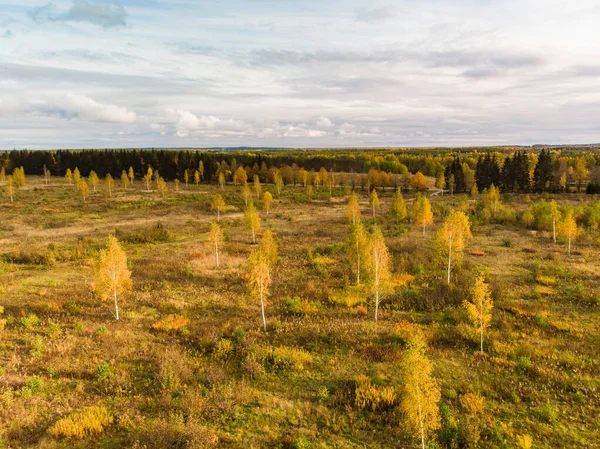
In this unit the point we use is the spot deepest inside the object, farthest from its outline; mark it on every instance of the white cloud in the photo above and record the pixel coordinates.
(104, 13)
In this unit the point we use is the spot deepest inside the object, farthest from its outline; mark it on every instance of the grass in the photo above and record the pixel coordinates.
(188, 364)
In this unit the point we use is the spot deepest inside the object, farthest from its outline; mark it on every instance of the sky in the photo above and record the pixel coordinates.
(298, 73)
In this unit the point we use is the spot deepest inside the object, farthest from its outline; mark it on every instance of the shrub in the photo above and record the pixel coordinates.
(524, 441)
(83, 424)
(524, 363)
(369, 396)
(103, 372)
(404, 330)
(350, 297)
(471, 403)
(298, 306)
(546, 280)
(285, 358)
(29, 321)
(548, 412)
(171, 323)
(223, 349)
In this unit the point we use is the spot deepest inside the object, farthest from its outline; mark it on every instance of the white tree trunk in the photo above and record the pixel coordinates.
(554, 228)
(449, 257)
(357, 264)
(116, 305)
(262, 307)
(217, 253)
(421, 419)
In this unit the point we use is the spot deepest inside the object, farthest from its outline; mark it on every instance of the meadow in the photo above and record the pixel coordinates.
(188, 364)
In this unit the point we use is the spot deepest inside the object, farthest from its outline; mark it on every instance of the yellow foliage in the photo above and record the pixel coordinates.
(546, 280)
(83, 424)
(524, 441)
(171, 323)
(286, 358)
(369, 396)
(471, 403)
(348, 298)
(405, 330)
(402, 279)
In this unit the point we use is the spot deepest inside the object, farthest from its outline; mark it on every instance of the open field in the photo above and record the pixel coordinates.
(189, 366)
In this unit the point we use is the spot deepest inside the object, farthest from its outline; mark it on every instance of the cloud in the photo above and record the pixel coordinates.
(80, 107)
(188, 123)
(6, 34)
(376, 14)
(104, 13)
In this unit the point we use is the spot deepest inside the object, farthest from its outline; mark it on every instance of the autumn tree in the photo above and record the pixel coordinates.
(568, 228)
(259, 279)
(246, 194)
(440, 183)
(197, 177)
(374, 202)
(257, 186)
(240, 177)
(93, 178)
(252, 221)
(76, 177)
(124, 180)
(267, 201)
(176, 183)
(3, 174)
(161, 187)
(131, 175)
(580, 172)
(111, 275)
(479, 308)
(69, 176)
(148, 178)
(186, 177)
(419, 182)
(215, 239)
(420, 391)
(110, 184)
(422, 214)
(278, 180)
(493, 199)
(451, 239)
(380, 272)
(358, 250)
(353, 208)
(309, 192)
(83, 189)
(201, 170)
(398, 207)
(219, 206)
(10, 188)
(555, 215)
(268, 245)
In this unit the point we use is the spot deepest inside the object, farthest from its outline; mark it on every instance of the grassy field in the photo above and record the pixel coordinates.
(189, 366)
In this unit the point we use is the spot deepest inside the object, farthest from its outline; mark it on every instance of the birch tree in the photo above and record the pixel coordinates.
(422, 214)
(252, 221)
(215, 240)
(131, 175)
(479, 308)
(257, 186)
(278, 180)
(267, 201)
(358, 250)
(259, 279)
(84, 189)
(555, 215)
(374, 202)
(124, 180)
(568, 229)
(197, 177)
(110, 184)
(69, 176)
(380, 273)
(222, 180)
(451, 239)
(76, 177)
(240, 177)
(420, 391)
(201, 170)
(353, 209)
(111, 275)
(268, 246)
(10, 188)
(94, 180)
(148, 178)
(398, 207)
(246, 194)
(219, 206)
(161, 187)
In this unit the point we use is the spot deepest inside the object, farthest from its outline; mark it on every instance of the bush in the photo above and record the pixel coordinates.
(304, 307)
(471, 403)
(285, 358)
(84, 424)
(171, 323)
(350, 297)
(369, 396)
(548, 412)
(223, 349)
(30, 321)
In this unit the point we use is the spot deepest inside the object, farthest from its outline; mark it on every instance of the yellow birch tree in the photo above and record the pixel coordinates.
(215, 240)
(259, 279)
(452, 238)
(353, 209)
(479, 308)
(252, 221)
(219, 206)
(422, 214)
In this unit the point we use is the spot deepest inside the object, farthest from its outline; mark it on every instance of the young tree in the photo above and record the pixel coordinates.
(452, 237)
(309, 192)
(240, 177)
(161, 186)
(580, 173)
(148, 178)
(218, 205)
(398, 207)
(215, 239)
(420, 391)
(197, 177)
(568, 228)
(111, 275)
(257, 186)
(10, 188)
(419, 182)
(259, 279)
(176, 182)
(278, 180)
(555, 214)
(3, 174)
(479, 308)
(94, 180)
(131, 175)
(268, 246)
(267, 201)
(422, 214)
(246, 194)
(76, 177)
(380, 273)
(374, 202)
(110, 184)
(440, 183)
(201, 170)
(83, 189)
(358, 250)
(46, 174)
(252, 221)
(69, 176)
(353, 208)
(186, 176)
(222, 180)
(493, 199)
(124, 180)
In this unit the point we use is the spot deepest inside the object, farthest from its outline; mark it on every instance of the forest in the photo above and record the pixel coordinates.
(346, 298)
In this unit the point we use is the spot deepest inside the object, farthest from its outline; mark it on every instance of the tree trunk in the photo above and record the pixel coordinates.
(357, 264)
(116, 305)
(262, 307)
(421, 419)
(449, 257)
(217, 253)
(253, 236)
(376, 303)
(569, 245)
(218, 215)
(423, 230)
(554, 228)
